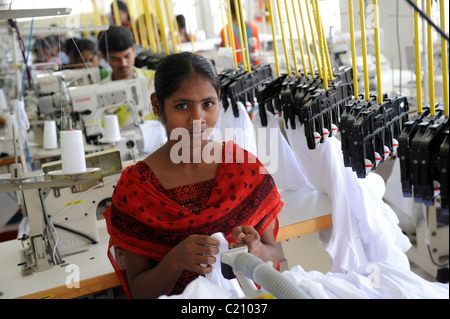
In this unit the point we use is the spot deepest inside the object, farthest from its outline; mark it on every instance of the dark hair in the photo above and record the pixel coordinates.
(181, 21)
(115, 39)
(122, 6)
(87, 44)
(233, 8)
(44, 44)
(175, 68)
(69, 46)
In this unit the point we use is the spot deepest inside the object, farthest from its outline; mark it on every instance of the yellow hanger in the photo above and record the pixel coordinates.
(231, 33)
(247, 51)
(241, 37)
(284, 40)
(321, 44)
(430, 63)
(352, 41)
(316, 52)
(275, 47)
(364, 50)
(305, 71)
(325, 45)
(311, 65)
(377, 52)
(418, 64)
(444, 59)
(292, 39)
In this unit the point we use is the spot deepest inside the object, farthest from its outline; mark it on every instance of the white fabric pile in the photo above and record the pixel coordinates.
(366, 245)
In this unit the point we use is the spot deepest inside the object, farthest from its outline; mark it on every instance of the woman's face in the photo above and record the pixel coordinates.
(89, 58)
(193, 108)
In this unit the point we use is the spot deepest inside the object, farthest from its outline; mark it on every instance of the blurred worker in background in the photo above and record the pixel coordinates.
(84, 53)
(124, 14)
(46, 50)
(117, 47)
(252, 33)
(184, 35)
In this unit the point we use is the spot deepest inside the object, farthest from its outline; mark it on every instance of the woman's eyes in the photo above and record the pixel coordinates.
(185, 106)
(208, 104)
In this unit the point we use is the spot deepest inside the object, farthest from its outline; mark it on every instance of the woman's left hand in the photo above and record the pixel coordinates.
(247, 236)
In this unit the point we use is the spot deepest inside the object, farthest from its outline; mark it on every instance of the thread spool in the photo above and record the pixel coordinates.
(10, 124)
(72, 152)
(50, 137)
(3, 100)
(111, 128)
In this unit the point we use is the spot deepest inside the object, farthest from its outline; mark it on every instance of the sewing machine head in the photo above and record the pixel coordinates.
(126, 98)
(50, 82)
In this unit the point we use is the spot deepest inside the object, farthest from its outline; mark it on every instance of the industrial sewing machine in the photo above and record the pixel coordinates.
(128, 99)
(62, 210)
(50, 88)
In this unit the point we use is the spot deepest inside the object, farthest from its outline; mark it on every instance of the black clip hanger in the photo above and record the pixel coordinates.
(443, 167)
(424, 152)
(268, 97)
(410, 128)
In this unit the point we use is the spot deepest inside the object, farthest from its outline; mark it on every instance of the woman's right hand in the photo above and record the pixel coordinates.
(194, 253)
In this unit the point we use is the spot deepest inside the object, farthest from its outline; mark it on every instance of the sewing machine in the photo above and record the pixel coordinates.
(128, 99)
(51, 88)
(62, 210)
(50, 82)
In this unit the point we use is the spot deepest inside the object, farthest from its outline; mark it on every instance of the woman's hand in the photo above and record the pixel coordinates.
(247, 236)
(263, 246)
(195, 252)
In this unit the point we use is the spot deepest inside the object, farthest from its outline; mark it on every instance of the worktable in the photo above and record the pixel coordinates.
(305, 211)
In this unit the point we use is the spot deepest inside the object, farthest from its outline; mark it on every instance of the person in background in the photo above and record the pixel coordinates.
(124, 14)
(252, 33)
(184, 35)
(60, 41)
(46, 50)
(117, 47)
(70, 50)
(164, 212)
(87, 54)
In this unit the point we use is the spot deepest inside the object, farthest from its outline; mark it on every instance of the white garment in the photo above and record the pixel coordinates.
(408, 212)
(380, 280)
(213, 285)
(277, 156)
(238, 129)
(365, 229)
(153, 136)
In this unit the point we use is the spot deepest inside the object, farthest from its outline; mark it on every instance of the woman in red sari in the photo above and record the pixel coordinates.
(163, 211)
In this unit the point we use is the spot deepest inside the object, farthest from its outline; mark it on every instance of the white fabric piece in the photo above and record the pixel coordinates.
(153, 136)
(277, 156)
(365, 229)
(238, 129)
(9, 207)
(23, 125)
(202, 288)
(408, 212)
(213, 285)
(380, 280)
(3, 100)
